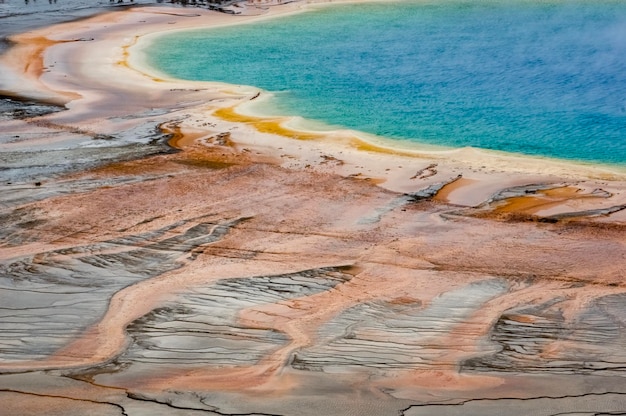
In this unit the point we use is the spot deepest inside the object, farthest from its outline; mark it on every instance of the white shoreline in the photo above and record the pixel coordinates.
(112, 80)
(526, 163)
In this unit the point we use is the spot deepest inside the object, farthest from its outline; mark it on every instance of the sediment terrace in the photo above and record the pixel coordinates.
(239, 272)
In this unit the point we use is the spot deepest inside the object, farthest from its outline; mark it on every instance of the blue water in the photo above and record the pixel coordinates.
(543, 78)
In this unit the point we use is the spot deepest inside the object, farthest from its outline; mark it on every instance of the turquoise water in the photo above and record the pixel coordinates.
(543, 78)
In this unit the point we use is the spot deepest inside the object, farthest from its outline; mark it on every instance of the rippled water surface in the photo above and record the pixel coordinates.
(541, 78)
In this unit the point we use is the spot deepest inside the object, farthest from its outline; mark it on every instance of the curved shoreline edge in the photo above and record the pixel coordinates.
(304, 126)
(484, 165)
(112, 83)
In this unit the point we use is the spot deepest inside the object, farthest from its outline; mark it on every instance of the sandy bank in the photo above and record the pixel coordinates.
(96, 67)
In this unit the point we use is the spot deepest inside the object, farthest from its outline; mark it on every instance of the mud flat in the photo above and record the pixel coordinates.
(251, 268)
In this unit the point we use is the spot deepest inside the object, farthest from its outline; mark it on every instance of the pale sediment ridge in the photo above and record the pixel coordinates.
(262, 269)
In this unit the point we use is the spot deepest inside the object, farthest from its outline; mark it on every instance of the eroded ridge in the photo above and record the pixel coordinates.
(202, 328)
(540, 339)
(399, 334)
(49, 298)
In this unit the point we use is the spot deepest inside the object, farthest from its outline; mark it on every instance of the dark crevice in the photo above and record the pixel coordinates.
(52, 396)
(431, 191)
(139, 397)
(573, 396)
